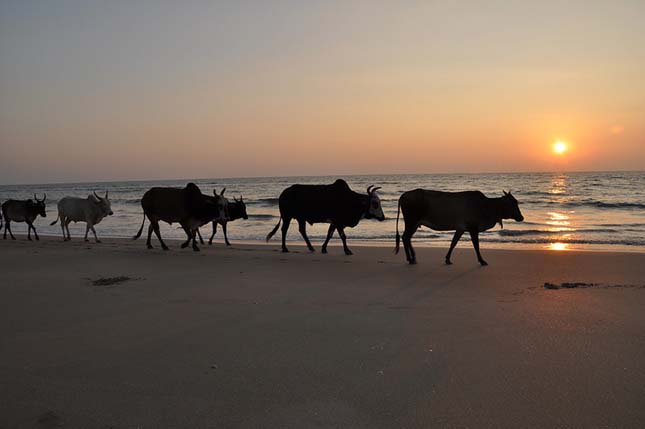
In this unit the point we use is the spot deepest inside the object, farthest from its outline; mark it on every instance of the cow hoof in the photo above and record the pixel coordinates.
(448, 262)
(323, 250)
(348, 252)
(165, 248)
(483, 263)
(195, 249)
(184, 245)
(285, 250)
(150, 247)
(413, 262)
(98, 241)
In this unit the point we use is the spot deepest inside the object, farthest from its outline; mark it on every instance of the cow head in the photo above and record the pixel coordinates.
(222, 205)
(510, 207)
(39, 205)
(241, 207)
(104, 205)
(374, 209)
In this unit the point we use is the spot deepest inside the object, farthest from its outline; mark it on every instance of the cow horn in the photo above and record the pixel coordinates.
(44, 197)
(376, 189)
(106, 194)
(35, 197)
(369, 189)
(222, 193)
(504, 192)
(96, 195)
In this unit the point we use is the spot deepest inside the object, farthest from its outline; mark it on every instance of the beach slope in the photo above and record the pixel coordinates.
(114, 335)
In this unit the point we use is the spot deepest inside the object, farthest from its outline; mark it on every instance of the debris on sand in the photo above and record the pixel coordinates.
(110, 281)
(569, 285)
(582, 285)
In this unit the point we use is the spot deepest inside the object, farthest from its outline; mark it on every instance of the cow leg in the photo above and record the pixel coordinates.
(195, 248)
(199, 234)
(10, 231)
(302, 227)
(341, 232)
(192, 236)
(330, 233)
(35, 233)
(189, 236)
(6, 225)
(225, 234)
(410, 255)
(149, 242)
(28, 231)
(210, 240)
(95, 236)
(69, 236)
(453, 243)
(155, 226)
(474, 236)
(62, 226)
(87, 230)
(285, 228)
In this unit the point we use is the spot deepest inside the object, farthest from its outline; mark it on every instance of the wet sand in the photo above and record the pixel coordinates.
(114, 335)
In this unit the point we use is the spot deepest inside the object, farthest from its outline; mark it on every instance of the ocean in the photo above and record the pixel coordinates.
(588, 211)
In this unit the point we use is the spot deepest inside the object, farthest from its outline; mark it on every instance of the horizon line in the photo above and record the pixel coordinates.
(320, 175)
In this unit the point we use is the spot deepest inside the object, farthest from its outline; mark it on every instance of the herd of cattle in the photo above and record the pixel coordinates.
(335, 204)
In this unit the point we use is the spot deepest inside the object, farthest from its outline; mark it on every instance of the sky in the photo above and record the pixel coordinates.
(125, 90)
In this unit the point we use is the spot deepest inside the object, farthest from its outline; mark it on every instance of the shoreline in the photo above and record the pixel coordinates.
(275, 241)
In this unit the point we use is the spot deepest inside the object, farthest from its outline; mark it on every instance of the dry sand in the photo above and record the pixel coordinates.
(250, 337)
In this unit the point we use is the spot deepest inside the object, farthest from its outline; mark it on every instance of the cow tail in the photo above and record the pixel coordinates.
(272, 233)
(56, 220)
(140, 229)
(398, 236)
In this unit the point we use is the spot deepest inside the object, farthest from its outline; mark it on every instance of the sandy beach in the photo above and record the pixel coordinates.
(251, 337)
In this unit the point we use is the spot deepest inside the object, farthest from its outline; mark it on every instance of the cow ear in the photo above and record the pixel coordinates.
(222, 193)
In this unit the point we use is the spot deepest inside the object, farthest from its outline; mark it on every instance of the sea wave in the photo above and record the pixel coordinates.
(598, 204)
(262, 216)
(544, 240)
(523, 232)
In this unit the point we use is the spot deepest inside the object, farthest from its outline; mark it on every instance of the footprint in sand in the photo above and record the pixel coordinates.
(49, 419)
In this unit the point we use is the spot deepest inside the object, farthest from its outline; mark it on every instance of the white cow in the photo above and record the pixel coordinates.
(90, 210)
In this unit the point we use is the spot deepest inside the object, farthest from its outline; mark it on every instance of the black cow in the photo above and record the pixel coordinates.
(468, 211)
(186, 206)
(236, 210)
(335, 204)
(23, 211)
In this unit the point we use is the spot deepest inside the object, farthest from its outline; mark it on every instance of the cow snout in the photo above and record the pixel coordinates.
(520, 218)
(110, 213)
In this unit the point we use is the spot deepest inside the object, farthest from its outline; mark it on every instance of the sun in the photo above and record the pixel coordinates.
(560, 147)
